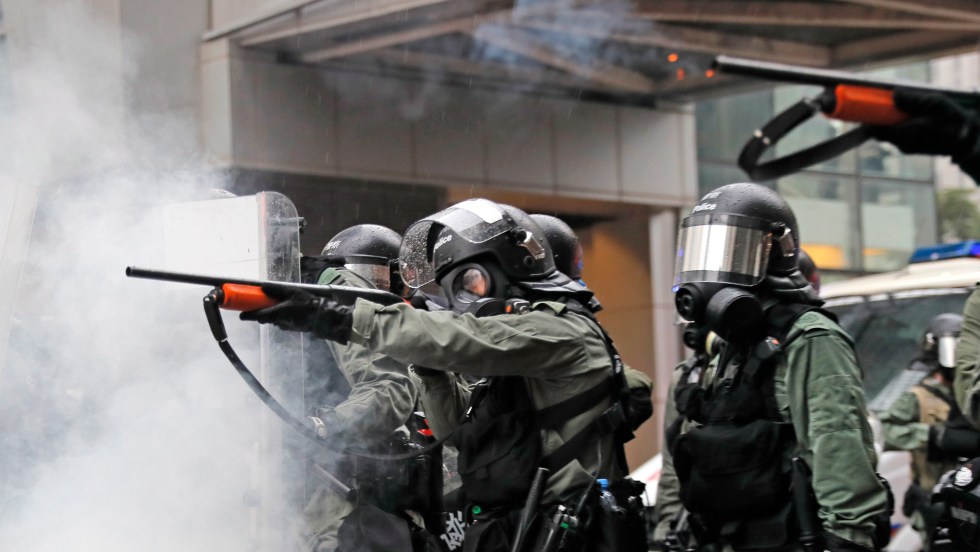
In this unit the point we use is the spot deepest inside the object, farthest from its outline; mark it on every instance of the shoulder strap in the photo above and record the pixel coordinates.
(611, 420)
(938, 394)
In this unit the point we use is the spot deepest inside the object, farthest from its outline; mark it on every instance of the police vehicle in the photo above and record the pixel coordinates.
(886, 315)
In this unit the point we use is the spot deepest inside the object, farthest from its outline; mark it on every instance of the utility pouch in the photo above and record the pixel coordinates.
(491, 535)
(734, 471)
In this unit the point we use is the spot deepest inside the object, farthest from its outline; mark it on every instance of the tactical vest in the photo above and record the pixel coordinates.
(733, 465)
(934, 407)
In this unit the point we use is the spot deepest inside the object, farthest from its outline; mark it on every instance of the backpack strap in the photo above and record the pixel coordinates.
(611, 420)
(780, 319)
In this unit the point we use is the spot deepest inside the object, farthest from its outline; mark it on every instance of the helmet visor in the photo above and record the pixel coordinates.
(729, 249)
(946, 351)
(377, 274)
(474, 220)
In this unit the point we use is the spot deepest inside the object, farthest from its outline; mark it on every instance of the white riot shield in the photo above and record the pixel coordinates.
(254, 237)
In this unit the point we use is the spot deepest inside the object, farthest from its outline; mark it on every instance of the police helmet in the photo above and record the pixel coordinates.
(369, 250)
(475, 249)
(738, 234)
(940, 338)
(564, 245)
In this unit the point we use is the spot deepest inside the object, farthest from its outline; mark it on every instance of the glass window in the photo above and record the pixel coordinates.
(725, 124)
(826, 211)
(816, 130)
(886, 335)
(865, 210)
(896, 218)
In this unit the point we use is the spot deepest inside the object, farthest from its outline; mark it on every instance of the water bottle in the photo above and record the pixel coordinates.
(607, 500)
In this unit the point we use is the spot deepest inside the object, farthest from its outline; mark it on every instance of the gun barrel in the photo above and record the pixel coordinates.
(343, 294)
(828, 78)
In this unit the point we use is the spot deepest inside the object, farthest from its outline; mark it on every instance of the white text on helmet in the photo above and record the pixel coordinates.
(442, 241)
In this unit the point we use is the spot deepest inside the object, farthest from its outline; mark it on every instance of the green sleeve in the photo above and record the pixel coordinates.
(381, 399)
(966, 384)
(539, 344)
(827, 408)
(382, 395)
(901, 425)
(444, 397)
(668, 489)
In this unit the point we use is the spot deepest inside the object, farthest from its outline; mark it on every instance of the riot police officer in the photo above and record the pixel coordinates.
(555, 395)
(780, 409)
(370, 396)
(923, 411)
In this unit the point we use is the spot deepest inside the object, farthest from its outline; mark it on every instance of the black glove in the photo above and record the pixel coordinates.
(937, 126)
(300, 311)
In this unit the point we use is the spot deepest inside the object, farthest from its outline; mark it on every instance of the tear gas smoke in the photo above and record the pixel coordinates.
(121, 425)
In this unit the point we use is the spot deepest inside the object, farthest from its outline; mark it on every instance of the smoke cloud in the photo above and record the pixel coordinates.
(122, 427)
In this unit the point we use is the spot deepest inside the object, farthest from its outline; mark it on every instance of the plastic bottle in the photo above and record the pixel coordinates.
(607, 500)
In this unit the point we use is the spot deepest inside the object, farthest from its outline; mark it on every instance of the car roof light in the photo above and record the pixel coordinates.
(968, 248)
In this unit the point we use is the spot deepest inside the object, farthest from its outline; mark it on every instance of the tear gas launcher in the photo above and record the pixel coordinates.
(846, 97)
(241, 294)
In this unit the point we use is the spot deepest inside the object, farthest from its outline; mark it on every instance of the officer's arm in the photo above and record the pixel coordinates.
(444, 396)
(967, 380)
(668, 490)
(382, 396)
(641, 396)
(536, 344)
(833, 425)
(902, 426)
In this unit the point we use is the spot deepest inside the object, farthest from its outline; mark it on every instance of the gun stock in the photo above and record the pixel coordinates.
(242, 294)
(847, 97)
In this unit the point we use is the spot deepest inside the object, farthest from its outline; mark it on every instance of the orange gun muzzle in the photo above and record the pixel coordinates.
(861, 104)
(238, 297)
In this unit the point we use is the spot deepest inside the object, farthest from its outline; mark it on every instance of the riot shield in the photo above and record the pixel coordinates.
(255, 237)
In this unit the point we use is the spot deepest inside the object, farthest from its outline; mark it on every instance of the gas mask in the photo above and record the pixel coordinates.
(733, 313)
(470, 287)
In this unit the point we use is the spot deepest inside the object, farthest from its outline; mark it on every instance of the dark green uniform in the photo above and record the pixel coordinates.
(561, 354)
(818, 389)
(906, 427)
(967, 382)
(381, 399)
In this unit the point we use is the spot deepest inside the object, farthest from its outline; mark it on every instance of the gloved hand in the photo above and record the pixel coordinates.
(318, 426)
(937, 126)
(300, 311)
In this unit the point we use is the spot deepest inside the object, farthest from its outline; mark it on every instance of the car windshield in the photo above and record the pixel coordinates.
(887, 329)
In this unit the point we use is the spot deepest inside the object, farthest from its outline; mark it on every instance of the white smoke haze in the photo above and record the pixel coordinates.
(122, 427)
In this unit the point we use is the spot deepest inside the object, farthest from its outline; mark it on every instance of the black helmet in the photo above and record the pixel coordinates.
(368, 250)
(738, 234)
(939, 339)
(476, 248)
(564, 245)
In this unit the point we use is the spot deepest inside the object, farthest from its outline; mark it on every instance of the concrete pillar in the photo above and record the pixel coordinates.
(667, 347)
